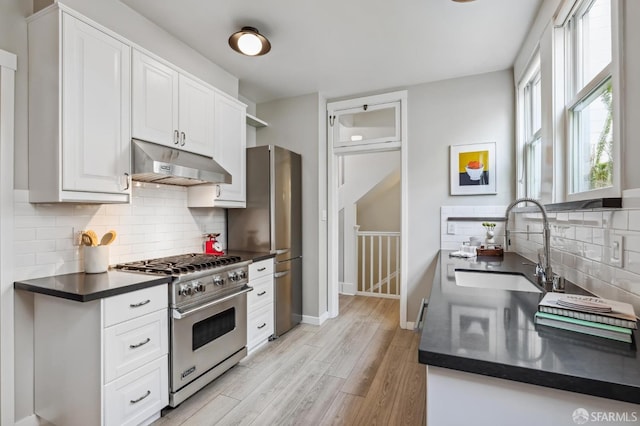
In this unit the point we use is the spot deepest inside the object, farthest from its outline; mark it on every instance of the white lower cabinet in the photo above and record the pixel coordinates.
(103, 362)
(137, 397)
(260, 314)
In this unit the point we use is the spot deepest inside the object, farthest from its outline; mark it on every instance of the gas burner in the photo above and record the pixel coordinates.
(179, 265)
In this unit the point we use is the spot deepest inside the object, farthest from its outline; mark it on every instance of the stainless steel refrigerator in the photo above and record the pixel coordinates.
(272, 222)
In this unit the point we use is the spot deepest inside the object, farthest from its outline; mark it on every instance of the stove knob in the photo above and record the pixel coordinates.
(197, 286)
(233, 276)
(217, 281)
(185, 290)
(242, 274)
(201, 287)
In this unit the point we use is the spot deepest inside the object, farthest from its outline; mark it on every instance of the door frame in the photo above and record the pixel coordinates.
(332, 199)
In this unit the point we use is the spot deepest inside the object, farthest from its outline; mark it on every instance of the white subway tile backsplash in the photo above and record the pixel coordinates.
(634, 220)
(593, 219)
(581, 250)
(584, 234)
(620, 219)
(156, 223)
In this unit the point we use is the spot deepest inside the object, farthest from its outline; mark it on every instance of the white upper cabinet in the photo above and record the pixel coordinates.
(154, 104)
(229, 151)
(170, 108)
(79, 111)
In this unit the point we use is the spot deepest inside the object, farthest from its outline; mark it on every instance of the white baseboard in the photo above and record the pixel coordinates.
(306, 319)
(409, 325)
(348, 288)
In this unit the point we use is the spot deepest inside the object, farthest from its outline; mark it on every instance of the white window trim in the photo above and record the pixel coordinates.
(618, 95)
(532, 68)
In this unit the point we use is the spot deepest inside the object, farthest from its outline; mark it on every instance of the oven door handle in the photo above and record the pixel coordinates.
(177, 314)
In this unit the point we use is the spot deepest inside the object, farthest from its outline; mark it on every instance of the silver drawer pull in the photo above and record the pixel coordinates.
(137, 305)
(264, 324)
(262, 293)
(135, 401)
(137, 345)
(262, 269)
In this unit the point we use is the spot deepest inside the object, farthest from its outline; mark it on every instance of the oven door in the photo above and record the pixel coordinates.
(206, 335)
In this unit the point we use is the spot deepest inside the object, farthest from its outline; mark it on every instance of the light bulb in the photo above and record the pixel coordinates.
(249, 44)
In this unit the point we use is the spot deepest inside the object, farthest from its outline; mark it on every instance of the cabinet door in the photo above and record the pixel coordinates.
(196, 116)
(155, 101)
(230, 147)
(95, 110)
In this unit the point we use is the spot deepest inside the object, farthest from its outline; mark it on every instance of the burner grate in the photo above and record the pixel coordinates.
(178, 265)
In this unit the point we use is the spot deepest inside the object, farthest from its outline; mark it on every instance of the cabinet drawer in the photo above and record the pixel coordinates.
(137, 303)
(134, 343)
(259, 325)
(262, 293)
(134, 398)
(260, 269)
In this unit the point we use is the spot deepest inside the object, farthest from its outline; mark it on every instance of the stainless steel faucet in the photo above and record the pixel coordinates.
(544, 273)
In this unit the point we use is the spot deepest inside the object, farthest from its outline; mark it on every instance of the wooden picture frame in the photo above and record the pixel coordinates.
(473, 169)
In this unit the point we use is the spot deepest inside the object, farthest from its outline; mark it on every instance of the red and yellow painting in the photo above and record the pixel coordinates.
(473, 168)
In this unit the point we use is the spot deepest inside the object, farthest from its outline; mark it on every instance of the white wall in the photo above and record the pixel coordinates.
(379, 210)
(460, 111)
(294, 124)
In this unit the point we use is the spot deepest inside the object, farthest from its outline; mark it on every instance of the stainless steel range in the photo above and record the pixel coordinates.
(208, 316)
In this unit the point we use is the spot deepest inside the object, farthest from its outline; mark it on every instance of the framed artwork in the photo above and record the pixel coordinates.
(473, 169)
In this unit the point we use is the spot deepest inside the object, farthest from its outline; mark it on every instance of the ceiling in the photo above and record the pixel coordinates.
(340, 48)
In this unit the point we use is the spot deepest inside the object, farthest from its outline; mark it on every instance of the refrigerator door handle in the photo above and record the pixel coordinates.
(281, 274)
(282, 251)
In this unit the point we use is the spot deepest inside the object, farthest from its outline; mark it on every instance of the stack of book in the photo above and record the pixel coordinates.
(589, 315)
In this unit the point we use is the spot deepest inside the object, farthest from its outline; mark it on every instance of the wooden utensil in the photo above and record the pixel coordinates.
(92, 236)
(108, 238)
(86, 239)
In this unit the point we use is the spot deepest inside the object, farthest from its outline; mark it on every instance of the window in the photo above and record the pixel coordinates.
(530, 107)
(590, 98)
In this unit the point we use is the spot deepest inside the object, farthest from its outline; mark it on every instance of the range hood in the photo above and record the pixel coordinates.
(161, 164)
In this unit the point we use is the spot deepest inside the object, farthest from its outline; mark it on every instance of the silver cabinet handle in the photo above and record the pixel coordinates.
(183, 138)
(176, 137)
(126, 177)
(218, 191)
(264, 324)
(137, 305)
(135, 401)
(262, 293)
(262, 269)
(137, 345)
(280, 274)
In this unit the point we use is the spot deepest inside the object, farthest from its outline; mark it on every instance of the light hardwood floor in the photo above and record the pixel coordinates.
(360, 368)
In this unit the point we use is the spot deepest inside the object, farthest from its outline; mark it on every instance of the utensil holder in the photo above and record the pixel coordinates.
(96, 259)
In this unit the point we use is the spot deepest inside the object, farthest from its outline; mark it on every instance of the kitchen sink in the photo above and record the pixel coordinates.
(493, 280)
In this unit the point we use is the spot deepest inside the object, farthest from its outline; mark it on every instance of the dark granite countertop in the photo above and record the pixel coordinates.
(84, 287)
(491, 332)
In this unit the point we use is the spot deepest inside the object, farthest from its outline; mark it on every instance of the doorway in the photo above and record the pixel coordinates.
(372, 124)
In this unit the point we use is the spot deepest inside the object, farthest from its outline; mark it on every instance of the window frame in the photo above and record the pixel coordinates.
(526, 138)
(573, 97)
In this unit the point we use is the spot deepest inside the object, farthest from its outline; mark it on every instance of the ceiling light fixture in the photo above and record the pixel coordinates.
(250, 42)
